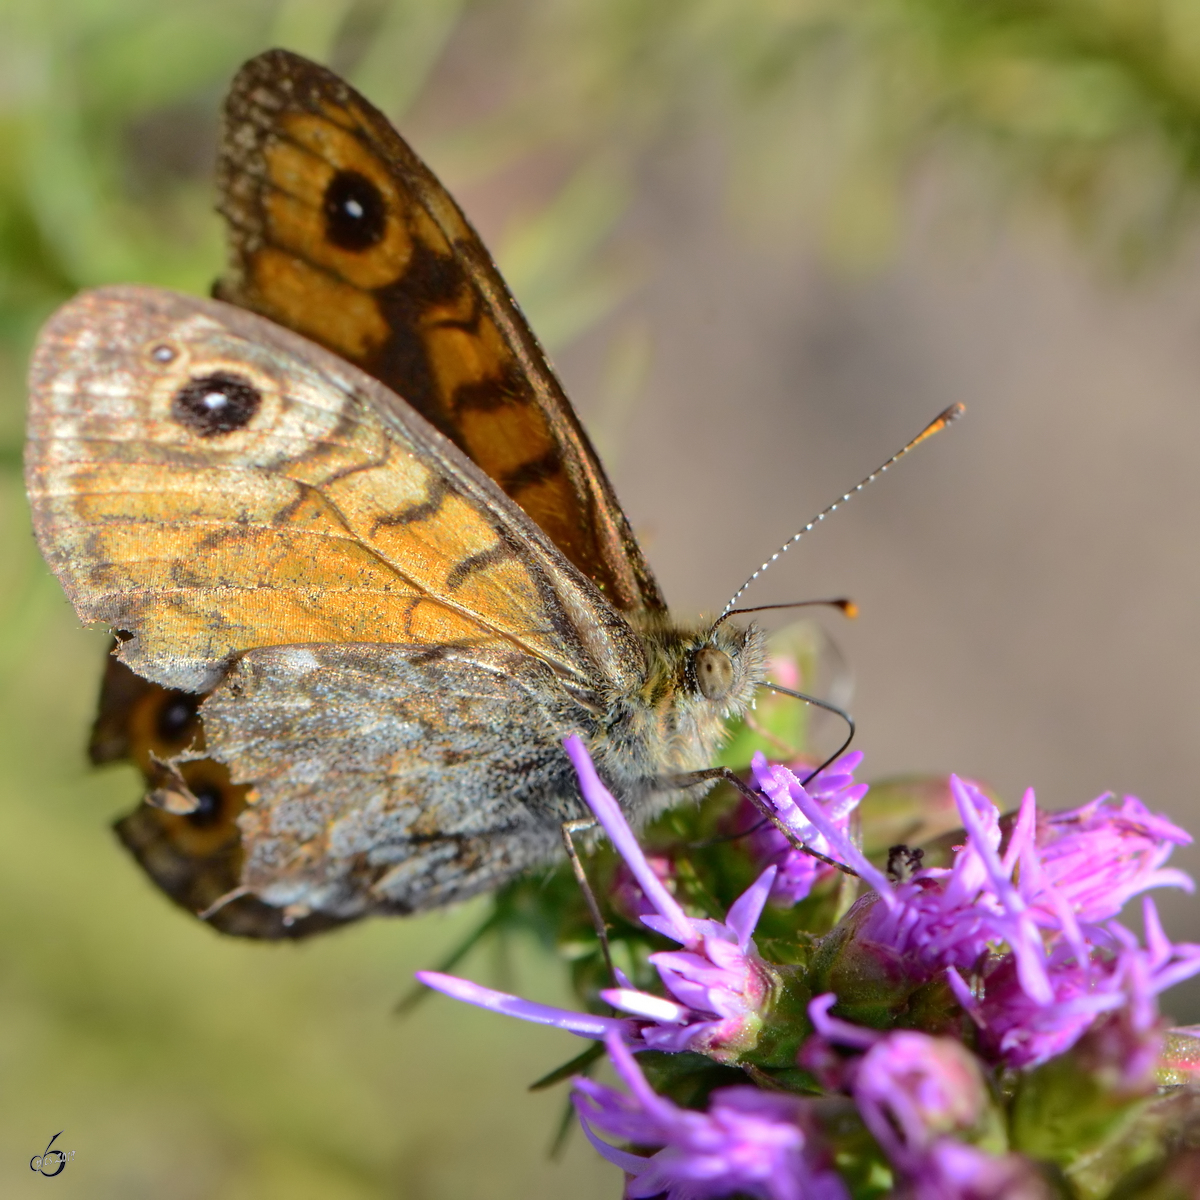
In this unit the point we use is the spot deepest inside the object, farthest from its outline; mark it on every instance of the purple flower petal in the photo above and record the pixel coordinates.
(580, 1024)
(1022, 934)
(748, 1142)
(631, 1164)
(1023, 830)
(608, 812)
(912, 1088)
(646, 1006)
(631, 1075)
(778, 783)
(1103, 853)
(747, 908)
(717, 977)
(834, 1029)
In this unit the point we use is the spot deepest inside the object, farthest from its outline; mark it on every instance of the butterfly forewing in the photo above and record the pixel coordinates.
(338, 230)
(320, 514)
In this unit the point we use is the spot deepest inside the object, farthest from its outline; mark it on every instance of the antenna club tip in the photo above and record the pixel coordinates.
(849, 609)
(937, 424)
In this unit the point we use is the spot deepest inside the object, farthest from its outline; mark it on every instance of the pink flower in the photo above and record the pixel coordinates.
(1100, 855)
(718, 984)
(718, 981)
(919, 1096)
(1011, 921)
(1086, 983)
(836, 792)
(912, 1089)
(954, 917)
(749, 1142)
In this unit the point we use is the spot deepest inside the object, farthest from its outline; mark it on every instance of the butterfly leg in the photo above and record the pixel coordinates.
(728, 775)
(228, 898)
(569, 828)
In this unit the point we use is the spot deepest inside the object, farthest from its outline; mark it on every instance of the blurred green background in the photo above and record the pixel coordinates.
(660, 182)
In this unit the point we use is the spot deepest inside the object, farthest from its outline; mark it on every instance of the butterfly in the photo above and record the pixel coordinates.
(363, 567)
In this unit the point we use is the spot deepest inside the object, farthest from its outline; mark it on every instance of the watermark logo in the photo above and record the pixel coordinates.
(51, 1162)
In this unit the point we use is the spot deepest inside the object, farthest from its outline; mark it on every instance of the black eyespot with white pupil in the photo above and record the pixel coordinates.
(714, 672)
(215, 404)
(355, 212)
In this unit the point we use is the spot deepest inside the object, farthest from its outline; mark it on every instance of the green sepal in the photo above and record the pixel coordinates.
(687, 1078)
(785, 1024)
(1062, 1113)
(872, 982)
(1148, 1158)
(860, 1161)
(1175, 1173)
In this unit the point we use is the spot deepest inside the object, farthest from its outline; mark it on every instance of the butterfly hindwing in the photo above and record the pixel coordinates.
(392, 777)
(195, 856)
(339, 231)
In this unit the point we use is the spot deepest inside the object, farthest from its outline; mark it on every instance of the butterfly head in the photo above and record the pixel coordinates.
(724, 666)
(700, 677)
(697, 678)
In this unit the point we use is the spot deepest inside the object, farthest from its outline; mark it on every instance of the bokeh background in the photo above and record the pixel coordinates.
(765, 242)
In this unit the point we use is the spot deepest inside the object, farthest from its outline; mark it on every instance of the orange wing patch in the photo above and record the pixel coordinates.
(316, 304)
(315, 164)
(338, 231)
(199, 486)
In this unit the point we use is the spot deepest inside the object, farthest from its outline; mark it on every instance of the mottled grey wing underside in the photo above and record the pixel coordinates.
(393, 778)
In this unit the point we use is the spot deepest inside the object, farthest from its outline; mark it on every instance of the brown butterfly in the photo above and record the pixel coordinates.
(361, 589)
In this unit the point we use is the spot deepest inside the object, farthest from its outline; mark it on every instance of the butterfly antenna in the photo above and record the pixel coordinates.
(843, 604)
(935, 426)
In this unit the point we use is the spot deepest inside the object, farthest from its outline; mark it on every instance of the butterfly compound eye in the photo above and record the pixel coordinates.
(215, 404)
(355, 212)
(714, 673)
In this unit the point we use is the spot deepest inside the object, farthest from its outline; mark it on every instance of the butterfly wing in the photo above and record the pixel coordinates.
(385, 778)
(213, 486)
(206, 482)
(195, 856)
(339, 231)
(440, 773)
